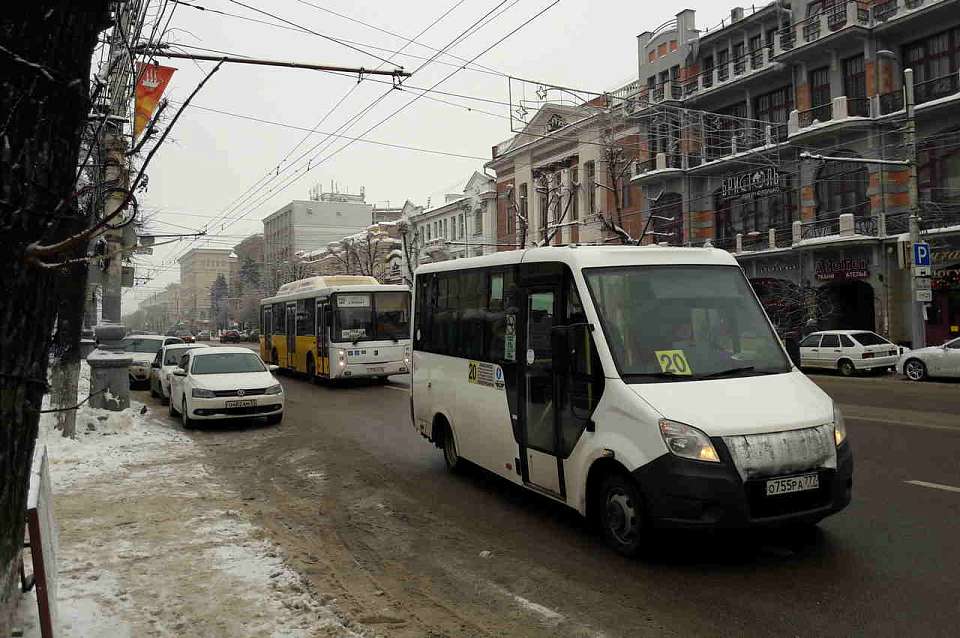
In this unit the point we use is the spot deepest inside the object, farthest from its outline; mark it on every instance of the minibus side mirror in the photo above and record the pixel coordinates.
(179, 372)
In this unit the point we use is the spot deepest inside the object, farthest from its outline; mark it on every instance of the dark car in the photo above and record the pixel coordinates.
(186, 335)
(230, 336)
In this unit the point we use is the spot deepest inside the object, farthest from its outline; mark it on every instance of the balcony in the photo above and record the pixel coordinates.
(844, 226)
(825, 24)
(660, 165)
(722, 75)
(936, 88)
(816, 115)
(840, 111)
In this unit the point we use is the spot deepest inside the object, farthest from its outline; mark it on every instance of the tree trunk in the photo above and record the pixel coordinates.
(44, 104)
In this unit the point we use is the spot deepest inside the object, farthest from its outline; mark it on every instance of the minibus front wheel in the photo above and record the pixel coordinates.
(621, 514)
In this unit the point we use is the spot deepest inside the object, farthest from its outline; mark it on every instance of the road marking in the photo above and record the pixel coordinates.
(396, 387)
(545, 613)
(922, 426)
(936, 486)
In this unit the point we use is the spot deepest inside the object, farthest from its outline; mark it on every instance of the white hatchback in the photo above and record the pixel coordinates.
(848, 351)
(224, 383)
(932, 361)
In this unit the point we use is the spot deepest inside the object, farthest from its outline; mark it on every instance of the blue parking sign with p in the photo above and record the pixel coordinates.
(921, 254)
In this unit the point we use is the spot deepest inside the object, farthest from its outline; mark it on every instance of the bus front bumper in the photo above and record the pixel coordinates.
(362, 370)
(681, 493)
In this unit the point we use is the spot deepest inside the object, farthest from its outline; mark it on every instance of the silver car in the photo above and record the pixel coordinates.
(932, 361)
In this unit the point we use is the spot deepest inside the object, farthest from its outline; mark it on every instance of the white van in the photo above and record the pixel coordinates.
(641, 386)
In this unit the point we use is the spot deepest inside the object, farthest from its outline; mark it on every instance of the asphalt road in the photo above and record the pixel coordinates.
(364, 508)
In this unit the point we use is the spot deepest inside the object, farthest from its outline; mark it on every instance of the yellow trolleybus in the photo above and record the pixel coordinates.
(337, 327)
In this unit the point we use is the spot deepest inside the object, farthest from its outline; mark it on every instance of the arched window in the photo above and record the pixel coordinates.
(842, 188)
(667, 223)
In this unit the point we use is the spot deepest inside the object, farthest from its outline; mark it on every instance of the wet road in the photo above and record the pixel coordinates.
(365, 508)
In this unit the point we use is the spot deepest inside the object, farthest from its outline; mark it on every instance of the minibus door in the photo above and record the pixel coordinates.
(323, 346)
(540, 466)
(291, 335)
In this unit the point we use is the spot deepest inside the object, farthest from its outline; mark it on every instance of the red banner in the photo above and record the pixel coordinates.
(151, 82)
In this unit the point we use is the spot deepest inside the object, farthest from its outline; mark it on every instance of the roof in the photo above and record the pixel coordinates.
(839, 332)
(185, 346)
(153, 337)
(310, 293)
(591, 257)
(225, 350)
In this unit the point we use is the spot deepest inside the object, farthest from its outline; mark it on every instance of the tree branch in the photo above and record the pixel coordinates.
(36, 251)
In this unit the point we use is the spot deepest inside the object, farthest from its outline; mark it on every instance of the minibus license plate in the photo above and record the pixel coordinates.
(374, 370)
(248, 403)
(792, 484)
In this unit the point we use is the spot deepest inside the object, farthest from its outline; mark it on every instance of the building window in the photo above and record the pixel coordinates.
(543, 201)
(935, 61)
(723, 65)
(478, 222)
(774, 108)
(667, 223)
(820, 94)
(842, 188)
(574, 193)
(524, 218)
(625, 193)
(445, 229)
(590, 183)
(938, 172)
(463, 231)
(855, 86)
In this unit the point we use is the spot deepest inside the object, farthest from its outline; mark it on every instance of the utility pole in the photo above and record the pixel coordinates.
(918, 329)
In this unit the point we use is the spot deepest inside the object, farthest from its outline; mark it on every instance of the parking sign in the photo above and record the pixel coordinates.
(921, 254)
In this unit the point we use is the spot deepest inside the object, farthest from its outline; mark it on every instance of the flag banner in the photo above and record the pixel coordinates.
(152, 79)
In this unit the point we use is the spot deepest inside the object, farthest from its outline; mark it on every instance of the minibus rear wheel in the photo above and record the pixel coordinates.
(621, 514)
(448, 444)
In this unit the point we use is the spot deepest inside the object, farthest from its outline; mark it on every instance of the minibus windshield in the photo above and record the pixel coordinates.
(683, 323)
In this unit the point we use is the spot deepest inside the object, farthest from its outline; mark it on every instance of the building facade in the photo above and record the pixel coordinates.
(199, 268)
(463, 226)
(306, 226)
(749, 136)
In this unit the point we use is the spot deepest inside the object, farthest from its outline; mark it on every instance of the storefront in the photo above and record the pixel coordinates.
(943, 313)
(844, 290)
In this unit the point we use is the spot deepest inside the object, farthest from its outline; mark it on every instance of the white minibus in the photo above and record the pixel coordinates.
(642, 386)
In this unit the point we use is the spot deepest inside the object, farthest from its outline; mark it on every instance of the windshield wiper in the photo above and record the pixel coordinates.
(658, 375)
(724, 373)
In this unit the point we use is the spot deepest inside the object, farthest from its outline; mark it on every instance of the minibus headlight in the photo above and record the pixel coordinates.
(341, 355)
(839, 427)
(687, 442)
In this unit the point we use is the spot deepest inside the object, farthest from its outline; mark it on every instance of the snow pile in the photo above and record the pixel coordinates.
(152, 544)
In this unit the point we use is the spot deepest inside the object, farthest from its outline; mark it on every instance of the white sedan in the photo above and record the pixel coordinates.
(932, 361)
(163, 365)
(224, 383)
(142, 349)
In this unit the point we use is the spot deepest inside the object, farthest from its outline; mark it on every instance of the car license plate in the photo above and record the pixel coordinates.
(375, 370)
(248, 403)
(791, 484)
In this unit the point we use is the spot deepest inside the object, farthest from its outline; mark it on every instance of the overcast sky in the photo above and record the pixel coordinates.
(211, 159)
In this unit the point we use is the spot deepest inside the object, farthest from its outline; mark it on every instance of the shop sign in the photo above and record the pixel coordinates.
(776, 267)
(946, 266)
(842, 268)
(758, 183)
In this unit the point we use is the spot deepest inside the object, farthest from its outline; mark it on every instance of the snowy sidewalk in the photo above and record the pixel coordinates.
(151, 545)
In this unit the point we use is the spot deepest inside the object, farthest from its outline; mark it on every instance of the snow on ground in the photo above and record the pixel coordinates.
(150, 544)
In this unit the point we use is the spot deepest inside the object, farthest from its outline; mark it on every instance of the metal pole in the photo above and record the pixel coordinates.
(918, 328)
(360, 71)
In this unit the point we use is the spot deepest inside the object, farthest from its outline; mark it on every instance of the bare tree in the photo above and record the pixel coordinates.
(617, 161)
(411, 245)
(792, 307)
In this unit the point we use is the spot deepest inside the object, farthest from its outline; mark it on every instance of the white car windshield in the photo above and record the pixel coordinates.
(227, 363)
(683, 323)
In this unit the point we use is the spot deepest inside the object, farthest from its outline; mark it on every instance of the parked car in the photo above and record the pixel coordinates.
(848, 351)
(253, 335)
(230, 336)
(143, 349)
(224, 383)
(162, 366)
(203, 335)
(187, 336)
(932, 361)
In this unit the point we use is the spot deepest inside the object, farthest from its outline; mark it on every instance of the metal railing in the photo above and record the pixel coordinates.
(723, 72)
(820, 228)
(884, 10)
(866, 226)
(756, 59)
(674, 160)
(822, 113)
(858, 106)
(788, 38)
(937, 88)
(898, 223)
(891, 102)
(727, 242)
(811, 30)
(784, 236)
(837, 17)
(642, 166)
(740, 65)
